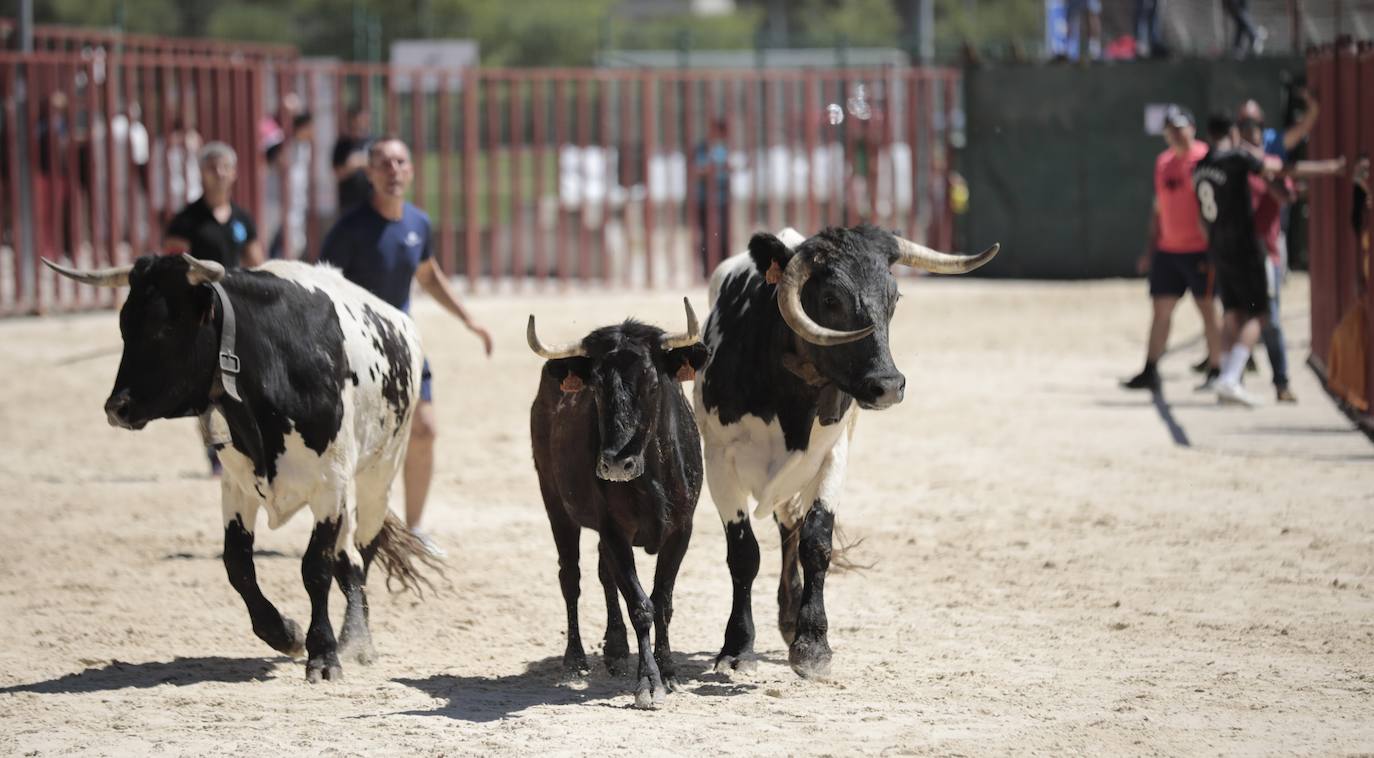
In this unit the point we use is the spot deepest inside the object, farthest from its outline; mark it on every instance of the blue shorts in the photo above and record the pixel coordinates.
(1172, 274)
(426, 382)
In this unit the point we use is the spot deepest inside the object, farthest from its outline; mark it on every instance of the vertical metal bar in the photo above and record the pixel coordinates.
(11, 134)
(946, 210)
(625, 158)
(604, 101)
(694, 233)
(671, 97)
(562, 86)
(493, 184)
(417, 140)
(515, 92)
(539, 107)
(446, 210)
(584, 131)
(393, 100)
(811, 124)
(471, 231)
(649, 132)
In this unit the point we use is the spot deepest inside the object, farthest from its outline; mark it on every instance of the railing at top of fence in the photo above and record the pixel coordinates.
(528, 175)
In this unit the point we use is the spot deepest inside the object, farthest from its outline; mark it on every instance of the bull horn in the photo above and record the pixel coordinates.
(117, 276)
(201, 271)
(572, 350)
(691, 337)
(789, 303)
(934, 261)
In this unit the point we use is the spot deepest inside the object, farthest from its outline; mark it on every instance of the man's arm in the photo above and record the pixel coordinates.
(1300, 131)
(1314, 169)
(433, 281)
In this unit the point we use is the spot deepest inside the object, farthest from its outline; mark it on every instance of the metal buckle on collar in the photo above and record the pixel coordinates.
(228, 363)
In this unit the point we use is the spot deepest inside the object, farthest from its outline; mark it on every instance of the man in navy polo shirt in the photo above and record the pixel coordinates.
(382, 245)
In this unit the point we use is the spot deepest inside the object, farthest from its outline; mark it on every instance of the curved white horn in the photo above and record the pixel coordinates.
(201, 271)
(688, 338)
(922, 257)
(789, 303)
(573, 350)
(118, 276)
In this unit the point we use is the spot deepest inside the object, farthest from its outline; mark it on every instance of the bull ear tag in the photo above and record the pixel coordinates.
(687, 373)
(571, 383)
(774, 273)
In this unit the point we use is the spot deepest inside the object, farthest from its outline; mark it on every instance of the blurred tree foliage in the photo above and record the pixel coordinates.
(558, 33)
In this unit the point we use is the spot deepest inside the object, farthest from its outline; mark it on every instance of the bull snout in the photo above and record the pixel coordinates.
(117, 410)
(613, 468)
(879, 391)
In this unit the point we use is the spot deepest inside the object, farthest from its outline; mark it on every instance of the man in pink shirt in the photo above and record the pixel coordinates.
(1177, 257)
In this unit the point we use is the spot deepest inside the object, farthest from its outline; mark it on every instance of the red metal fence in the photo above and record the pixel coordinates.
(529, 176)
(1342, 75)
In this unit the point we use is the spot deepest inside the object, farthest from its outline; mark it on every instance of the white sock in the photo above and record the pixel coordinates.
(1233, 362)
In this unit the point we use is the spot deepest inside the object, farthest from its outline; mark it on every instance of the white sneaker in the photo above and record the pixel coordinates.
(1234, 394)
(429, 544)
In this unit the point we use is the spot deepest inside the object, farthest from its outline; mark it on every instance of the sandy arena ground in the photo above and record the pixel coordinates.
(1052, 572)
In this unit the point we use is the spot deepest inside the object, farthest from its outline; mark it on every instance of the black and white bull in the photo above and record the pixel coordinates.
(617, 451)
(318, 402)
(798, 336)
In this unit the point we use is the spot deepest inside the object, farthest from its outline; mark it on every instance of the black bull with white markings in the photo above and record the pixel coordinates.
(798, 336)
(317, 381)
(617, 452)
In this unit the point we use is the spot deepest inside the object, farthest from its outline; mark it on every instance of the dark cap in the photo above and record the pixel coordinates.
(1177, 116)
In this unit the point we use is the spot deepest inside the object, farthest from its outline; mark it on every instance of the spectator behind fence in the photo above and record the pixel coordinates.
(293, 158)
(711, 170)
(350, 160)
(1249, 39)
(1149, 42)
(213, 228)
(1346, 365)
(1177, 255)
(52, 191)
(1075, 11)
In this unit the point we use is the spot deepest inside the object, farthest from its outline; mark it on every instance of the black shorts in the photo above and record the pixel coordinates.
(1172, 274)
(1244, 284)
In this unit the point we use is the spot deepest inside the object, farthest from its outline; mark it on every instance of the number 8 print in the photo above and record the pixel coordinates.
(1207, 198)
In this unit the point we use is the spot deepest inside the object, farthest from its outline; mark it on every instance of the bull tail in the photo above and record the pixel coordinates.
(842, 550)
(403, 557)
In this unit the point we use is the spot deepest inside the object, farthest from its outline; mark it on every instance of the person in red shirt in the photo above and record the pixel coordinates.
(1177, 256)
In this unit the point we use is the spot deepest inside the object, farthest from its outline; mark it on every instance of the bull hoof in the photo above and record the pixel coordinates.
(358, 650)
(743, 663)
(323, 667)
(291, 641)
(810, 657)
(649, 696)
(618, 666)
(672, 684)
(575, 662)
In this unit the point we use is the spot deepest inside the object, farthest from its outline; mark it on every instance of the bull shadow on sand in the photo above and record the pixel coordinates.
(179, 672)
(482, 699)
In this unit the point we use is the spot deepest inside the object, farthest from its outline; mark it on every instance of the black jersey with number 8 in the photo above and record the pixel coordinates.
(1223, 199)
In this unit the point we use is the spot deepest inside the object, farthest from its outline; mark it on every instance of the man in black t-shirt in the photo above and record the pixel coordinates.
(1221, 179)
(213, 228)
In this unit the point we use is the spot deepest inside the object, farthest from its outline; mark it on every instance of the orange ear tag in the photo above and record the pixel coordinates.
(571, 383)
(774, 273)
(686, 373)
